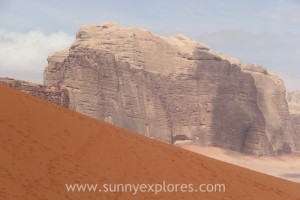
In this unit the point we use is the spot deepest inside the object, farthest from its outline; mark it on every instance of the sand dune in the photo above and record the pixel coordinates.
(43, 147)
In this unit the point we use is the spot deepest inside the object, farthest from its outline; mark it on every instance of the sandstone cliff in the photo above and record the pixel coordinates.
(54, 94)
(173, 88)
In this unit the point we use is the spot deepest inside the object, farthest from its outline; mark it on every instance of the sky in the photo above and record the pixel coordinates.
(265, 32)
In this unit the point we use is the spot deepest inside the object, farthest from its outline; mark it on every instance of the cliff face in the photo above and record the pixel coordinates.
(173, 88)
(53, 94)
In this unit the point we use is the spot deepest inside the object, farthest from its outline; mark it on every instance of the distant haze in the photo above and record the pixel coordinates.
(262, 32)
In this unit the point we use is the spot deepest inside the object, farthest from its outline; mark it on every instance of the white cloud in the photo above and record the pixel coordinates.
(24, 55)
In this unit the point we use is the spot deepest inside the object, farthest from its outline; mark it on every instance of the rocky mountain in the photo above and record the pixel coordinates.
(173, 89)
(293, 99)
(169, 88)
(54, 93)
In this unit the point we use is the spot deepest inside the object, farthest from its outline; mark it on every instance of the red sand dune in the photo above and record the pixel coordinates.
(44, 146)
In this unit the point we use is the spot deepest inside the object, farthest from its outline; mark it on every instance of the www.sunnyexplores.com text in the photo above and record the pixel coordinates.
(143, 188)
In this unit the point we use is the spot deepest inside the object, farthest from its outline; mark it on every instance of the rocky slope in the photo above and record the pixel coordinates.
(54, 93)
(173, 88)
(293, 99)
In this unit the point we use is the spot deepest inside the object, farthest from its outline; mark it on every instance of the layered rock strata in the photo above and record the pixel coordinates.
(54, 94)
(173, 89)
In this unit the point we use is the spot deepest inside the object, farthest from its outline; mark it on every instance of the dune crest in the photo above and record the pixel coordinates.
(44, 146)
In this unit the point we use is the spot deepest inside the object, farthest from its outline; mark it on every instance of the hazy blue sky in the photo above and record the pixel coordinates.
(265, 32)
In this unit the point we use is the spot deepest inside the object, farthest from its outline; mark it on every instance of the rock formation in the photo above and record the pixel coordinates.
(173, 88)
(293, 99)
(54, 94)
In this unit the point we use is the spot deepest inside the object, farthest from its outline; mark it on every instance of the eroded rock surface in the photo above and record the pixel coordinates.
(172, 87)
(293, 99)
(54, 94)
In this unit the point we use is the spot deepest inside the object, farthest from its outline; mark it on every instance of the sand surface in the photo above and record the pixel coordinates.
(43, 147)
(285, 166)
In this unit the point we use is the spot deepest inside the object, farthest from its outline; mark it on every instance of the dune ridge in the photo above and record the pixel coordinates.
(44, 146)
